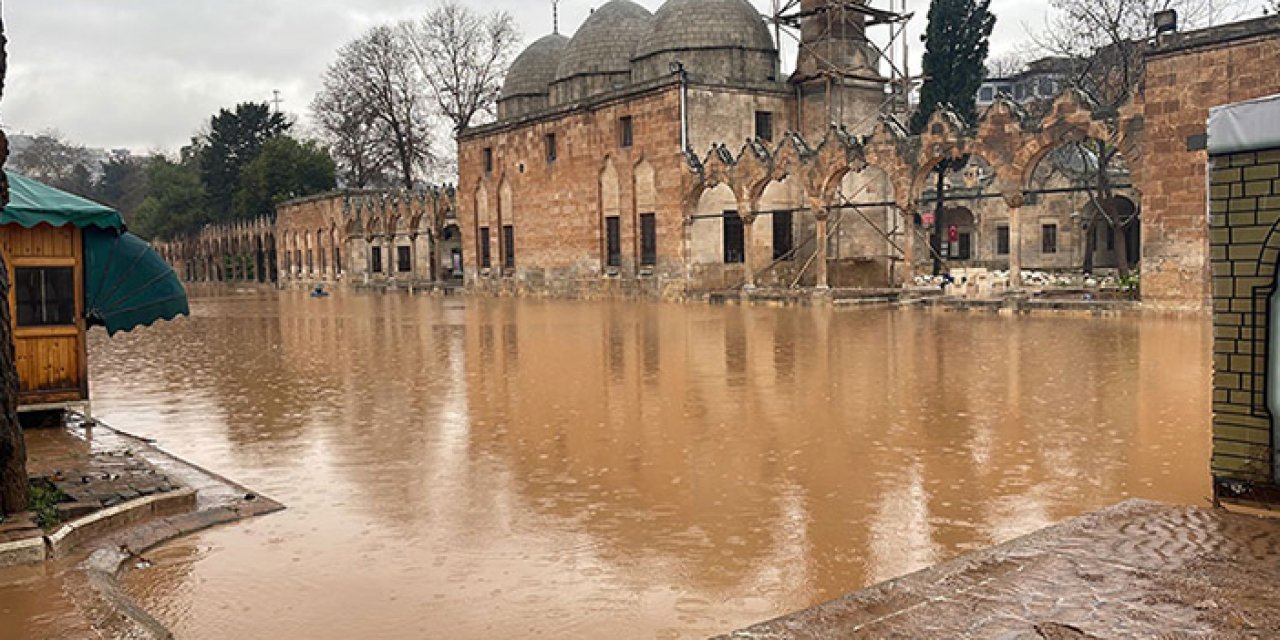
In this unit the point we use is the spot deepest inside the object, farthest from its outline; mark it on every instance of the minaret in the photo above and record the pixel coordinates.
(837, 70)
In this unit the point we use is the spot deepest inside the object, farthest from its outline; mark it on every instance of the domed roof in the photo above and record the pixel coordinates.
(684, 25)
(606, 41)
(535, 68)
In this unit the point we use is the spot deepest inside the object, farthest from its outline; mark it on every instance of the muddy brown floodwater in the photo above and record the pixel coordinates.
(473, 468)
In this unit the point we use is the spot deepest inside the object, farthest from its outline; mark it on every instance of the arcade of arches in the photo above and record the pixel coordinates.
(393, 239)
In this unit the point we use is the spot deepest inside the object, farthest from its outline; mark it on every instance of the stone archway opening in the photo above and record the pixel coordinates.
(966, 221)
(1084, 187)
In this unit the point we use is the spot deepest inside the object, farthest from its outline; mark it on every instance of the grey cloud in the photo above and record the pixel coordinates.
(145, 74)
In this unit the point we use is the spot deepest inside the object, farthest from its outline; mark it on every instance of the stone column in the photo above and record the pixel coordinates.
(389, 260)
(747, 213)
(413, 257)
(908, 244)
(821, 215)
(1014, 201)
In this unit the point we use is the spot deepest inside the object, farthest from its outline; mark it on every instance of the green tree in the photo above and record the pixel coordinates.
(234, 139)
(176, 201)
(284, 169)
(955, 55)
(123, 183)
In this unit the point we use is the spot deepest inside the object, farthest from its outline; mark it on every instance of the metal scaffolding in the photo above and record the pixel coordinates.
(789, 17)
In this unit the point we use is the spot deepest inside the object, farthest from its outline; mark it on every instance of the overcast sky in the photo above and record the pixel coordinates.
(144, 74)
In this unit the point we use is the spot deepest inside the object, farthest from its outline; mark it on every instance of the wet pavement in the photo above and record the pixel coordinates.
(94, 468)
(1136, 570)
(473, 468)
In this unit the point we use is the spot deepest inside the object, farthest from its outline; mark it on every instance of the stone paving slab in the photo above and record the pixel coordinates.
(1135, 570)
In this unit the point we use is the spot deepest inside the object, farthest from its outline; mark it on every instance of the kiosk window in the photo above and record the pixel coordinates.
(45, 296)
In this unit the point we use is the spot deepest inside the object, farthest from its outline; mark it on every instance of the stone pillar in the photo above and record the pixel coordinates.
(413, 257)
(908, 244)
(747, 213)
(389, 257)
(822, 215)
(1014, 201)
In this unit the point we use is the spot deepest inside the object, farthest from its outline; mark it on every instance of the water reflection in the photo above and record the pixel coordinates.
(485, 467)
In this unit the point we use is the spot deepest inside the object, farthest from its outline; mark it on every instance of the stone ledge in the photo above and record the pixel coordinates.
(73, 534)
(29, 551)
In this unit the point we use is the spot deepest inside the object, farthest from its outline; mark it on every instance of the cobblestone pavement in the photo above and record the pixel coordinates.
(1135, 570)
(95, 467)
(79, 596)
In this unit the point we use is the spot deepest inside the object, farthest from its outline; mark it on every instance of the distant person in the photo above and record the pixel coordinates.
(319, 292)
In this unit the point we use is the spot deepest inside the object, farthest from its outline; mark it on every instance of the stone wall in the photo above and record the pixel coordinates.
(331, 237)
(1244, 212)
(558, 208)
(1186, 75)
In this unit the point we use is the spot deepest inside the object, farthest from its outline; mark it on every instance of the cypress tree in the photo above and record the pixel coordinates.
(954, 58)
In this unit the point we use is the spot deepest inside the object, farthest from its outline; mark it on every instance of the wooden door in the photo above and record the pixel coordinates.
(46, 301)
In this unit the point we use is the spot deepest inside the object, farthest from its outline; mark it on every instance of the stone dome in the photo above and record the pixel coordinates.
(691, 25)
(605, 43)
(535, 68)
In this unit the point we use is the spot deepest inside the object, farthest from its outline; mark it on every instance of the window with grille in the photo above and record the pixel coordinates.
(403, 259)
(783, 237)
(45, 296)
(1049, 238)
(734, 250)
(764, 125)
(509, 246)
(625, 132)
(613, 241)
(648, 239)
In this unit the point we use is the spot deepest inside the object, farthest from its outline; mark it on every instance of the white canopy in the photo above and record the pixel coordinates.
(1245, 126)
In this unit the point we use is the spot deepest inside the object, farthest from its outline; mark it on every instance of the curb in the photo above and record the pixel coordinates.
(77, 532)
(19, 552)
(61, 543)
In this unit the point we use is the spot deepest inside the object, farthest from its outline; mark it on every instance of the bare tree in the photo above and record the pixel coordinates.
(13, 448)
(463, 56)
(357, 138)
(382, 85)
(1106, 39)
(1104, 44)
(54, 160)
(1006, 65)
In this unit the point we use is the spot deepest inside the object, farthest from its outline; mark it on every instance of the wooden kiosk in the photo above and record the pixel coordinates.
(71, 265)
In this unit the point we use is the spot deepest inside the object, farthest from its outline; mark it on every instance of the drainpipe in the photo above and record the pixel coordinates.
(677, 68)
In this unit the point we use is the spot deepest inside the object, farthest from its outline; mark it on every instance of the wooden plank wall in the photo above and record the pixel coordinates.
(51, 361)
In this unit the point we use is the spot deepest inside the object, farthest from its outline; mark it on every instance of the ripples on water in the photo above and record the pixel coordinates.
(473, 468)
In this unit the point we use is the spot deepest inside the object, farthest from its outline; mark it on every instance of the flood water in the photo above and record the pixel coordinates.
(474, 468)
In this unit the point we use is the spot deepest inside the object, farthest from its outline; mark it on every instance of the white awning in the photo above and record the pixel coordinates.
(1245, 126)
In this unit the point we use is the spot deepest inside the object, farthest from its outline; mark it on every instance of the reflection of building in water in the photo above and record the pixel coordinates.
(765, 411)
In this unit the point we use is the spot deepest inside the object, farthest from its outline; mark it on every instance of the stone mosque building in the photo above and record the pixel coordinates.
(583, 184)
(589, 184)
